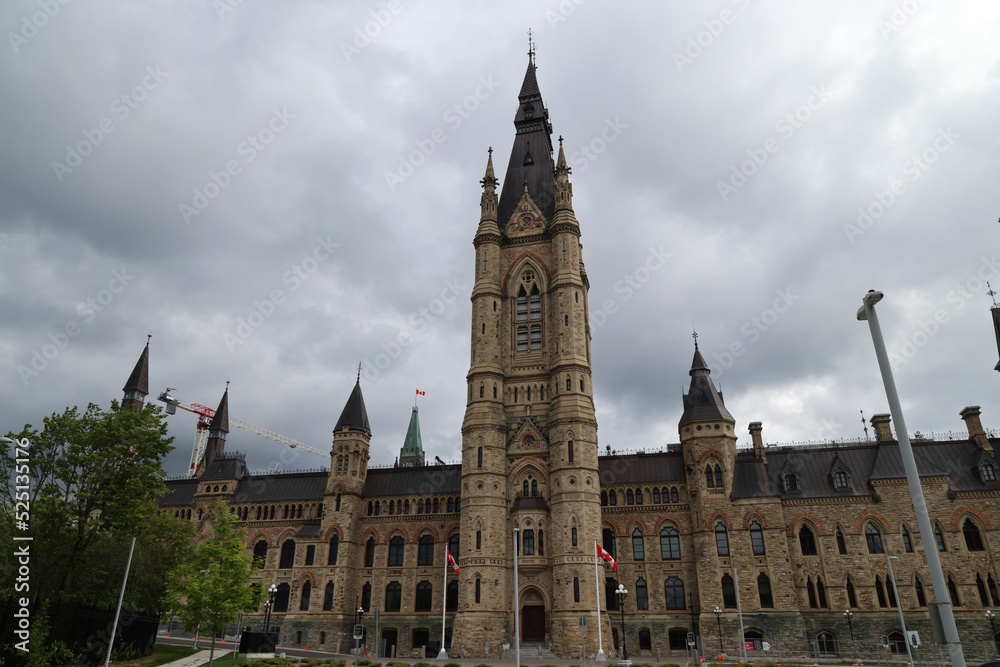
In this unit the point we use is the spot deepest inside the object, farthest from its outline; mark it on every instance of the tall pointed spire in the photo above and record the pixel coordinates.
(996, 320)
(488, 202)
(563, 188)
(412, 453)
(137, 386)
(354, 416)
(217, 432)
(702, 401)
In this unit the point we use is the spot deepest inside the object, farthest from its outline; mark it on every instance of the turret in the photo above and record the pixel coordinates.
(217, 431)
(351, 439)
(137, 386)
(412, 453)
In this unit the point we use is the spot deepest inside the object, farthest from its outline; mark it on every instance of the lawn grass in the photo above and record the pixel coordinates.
(162, 654)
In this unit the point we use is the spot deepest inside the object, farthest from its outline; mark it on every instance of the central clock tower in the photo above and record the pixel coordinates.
(529, 437)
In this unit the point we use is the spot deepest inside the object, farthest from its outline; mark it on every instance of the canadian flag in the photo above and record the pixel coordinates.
(421, 393)
(606, 556)
(454, 565)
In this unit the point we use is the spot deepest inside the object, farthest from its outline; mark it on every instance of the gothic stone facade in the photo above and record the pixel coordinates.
(795, 536)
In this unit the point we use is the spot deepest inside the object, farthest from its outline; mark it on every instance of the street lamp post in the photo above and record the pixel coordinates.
(718, 619)
(848, 614)
(357, 621)
(269, 605)
(621, 593)
(993, 628)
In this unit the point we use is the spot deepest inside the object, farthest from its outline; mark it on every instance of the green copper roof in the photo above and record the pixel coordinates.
(412, 445)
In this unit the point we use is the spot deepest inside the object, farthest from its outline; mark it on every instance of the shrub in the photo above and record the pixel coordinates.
(452, 664)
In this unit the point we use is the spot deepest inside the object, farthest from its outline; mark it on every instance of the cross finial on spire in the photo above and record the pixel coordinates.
(992, 293)
(531, 47)
(150, 335)
(490, 151)
(864, 424)
(695, 336)
(359, 372)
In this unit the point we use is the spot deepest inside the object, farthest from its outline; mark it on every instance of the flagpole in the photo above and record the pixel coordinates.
(597, 587)
(444, 600)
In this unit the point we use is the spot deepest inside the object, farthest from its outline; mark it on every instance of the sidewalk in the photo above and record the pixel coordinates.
(194, 660)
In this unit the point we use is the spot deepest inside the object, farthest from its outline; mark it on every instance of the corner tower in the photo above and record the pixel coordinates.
(529, 438)
(136, 388)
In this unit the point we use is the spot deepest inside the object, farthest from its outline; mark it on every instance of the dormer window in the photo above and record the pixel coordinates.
(840, 480)
(791, 482)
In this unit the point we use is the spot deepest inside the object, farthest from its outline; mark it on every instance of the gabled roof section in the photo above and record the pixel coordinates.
(405, 481)
(355, 416)
(889, 463)
(220, 422)
(180, 493)
(531, 155)
(280, 487)
(703, 401)
(633, 468)
(139, 379)
(412, 444)
(226, 466)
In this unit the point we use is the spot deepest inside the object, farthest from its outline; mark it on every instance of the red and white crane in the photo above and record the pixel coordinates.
(205, 415)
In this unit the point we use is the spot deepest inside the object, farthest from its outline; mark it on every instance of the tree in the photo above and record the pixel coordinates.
(91, 476)
(213, 586)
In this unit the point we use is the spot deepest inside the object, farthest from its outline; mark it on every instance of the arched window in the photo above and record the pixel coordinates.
(451, 596)
(721, 540)
(641, 595)
(841, 545)
(629, 497)
(988, 472)
(331, 558)
(840, 480)
(393, 596)
(757, 539)
(569, 447)
(907, 542)
(535, 304)
(328, 597)
(610, 599)
(522, 306)
(673, 494)
(534, 487)
(807, 541)
(709, 479)
(874, 539)
(422, 600)
(541, 542)
(728, 592)
(811, 592)
(879, 591)
(479, 539)
(576, 589)
(366, 596)
(918, 588)
(608, 542)
(480, 458)
(604, 498)
(656, 495)
(528, 542)
(897, 642)
(973, 540)
(612, 498)
(939, 538)
(406, 506)
(260, 554)
(477, 589)
(826, 643)
(992, 585)
(436, 506)
(673, 589)
(281, 597)
(791, 481)
(852, 598)
(526, 488)
(258, 513)
(337, 505)
(890, 592)
(378, 508)
(370, 552)
(425, 550)
(420, 506)
(370, 509)
(453, 543)
(953, 593)
(638, 496)
(287, 554)
(304, 597)
(718, 476)
(670, 544)
(451, 505)
(573, 534)
(397, 548)
(638, 550)
(392, 507)
(764, 591)
(821, 593)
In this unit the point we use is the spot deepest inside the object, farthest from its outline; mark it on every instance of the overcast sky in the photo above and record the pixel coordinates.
(279, 190)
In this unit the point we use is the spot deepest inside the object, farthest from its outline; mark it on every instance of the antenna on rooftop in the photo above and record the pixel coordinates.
(864, 424)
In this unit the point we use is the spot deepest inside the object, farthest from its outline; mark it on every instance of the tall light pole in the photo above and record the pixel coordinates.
(848, 614)
(943, 599)
(899, 605)
(269, 605)
(718, 619)
(357, 621)
(517, 624)
(621, 593)
(993, 628)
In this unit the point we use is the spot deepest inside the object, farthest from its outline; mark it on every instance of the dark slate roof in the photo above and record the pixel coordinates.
(139, 379)
(228, 466)
(408, 481)
(996, 329)
(309, 530)
(280, 487)
(531, 154)
(702, 401)
(354, 416)
(179, 493)
(864, 461)
(630, 468)
(220, 422)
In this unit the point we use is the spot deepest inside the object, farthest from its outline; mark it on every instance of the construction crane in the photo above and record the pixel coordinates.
(205, 415)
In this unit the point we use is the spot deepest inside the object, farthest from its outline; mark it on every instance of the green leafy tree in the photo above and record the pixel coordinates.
(92, 475)
(213, 586)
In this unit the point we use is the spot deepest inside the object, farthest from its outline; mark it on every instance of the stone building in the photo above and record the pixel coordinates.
(789, 536)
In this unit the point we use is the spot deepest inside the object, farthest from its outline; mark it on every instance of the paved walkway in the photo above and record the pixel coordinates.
(194, 660)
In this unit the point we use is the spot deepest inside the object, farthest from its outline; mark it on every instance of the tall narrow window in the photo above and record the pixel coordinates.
(522, 307)
(528, 543)
(425, 550)
(973, 540)
(370, 552)
(638, 549)
(287, 554)
(393, 596)
(638, 496)
(522, 341)
(573, 534)
(656, 495)
(764, 591)
(841, 545)
(569, 450)
(608, 542)
(423, 597)
(918, 588)
(981, 586)
(709, 479)
(907, 542)
(451, 596)
(807, 541)
(337, 507)
(721, 540)
(821, 593)
(260, 554)
(536, 337)
(728, 592)
(576, 589)
(953, 593)
(880, 592)
(757, 539)
(939, 538)
(992, 585)
(310, 554)
(480, 459)
(852, 598)
(718, 476)
(613, 498)
(477, 590)
(304, 596)
(890, 592)
(541, 542)
(874, 539)
(281, 599)
(535, 302)
(641, 595)
(670, 544)
(366, 596)
(328, 597)
(629, 497)
(479, 539)
(811, 592)
(673, 494)
(396, 551)
(674, 591)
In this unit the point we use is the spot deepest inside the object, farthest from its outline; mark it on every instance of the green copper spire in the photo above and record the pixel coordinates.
(412, 453)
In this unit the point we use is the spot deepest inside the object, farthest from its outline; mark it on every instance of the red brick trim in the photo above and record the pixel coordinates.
(798, 518)
(259, 534)
(516, 264)
(711, 519)
(710, 452)
(869, 514)
(971, 510)
(757, 513)
(672, 518)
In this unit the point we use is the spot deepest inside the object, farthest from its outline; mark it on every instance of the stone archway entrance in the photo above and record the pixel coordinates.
(534, 625)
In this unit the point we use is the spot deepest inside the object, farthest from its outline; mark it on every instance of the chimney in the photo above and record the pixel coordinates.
(758, 443)
(883, 432)
(975, 426)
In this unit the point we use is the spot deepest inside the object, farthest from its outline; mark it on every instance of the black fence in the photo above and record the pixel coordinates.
(83, 629)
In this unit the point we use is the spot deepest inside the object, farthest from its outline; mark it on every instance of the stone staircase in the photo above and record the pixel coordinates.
(532, 650)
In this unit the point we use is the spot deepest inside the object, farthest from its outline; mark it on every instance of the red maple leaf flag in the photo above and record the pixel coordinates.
(606, 556)
(421, 393)
(454, 565)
